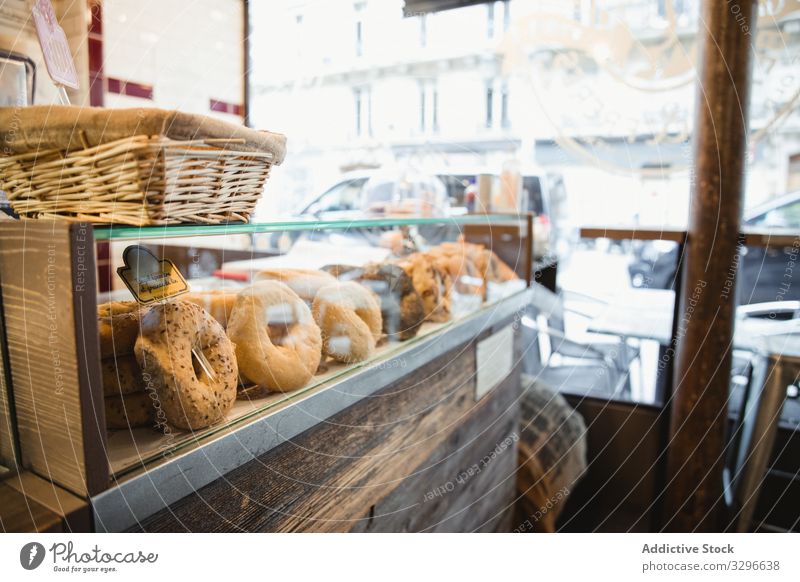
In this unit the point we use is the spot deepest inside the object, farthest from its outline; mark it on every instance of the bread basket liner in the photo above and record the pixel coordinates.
(48, 127)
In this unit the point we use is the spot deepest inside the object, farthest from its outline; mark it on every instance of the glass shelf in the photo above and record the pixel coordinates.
(121, 232)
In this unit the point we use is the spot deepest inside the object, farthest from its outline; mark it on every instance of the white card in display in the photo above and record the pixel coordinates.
(495, 359)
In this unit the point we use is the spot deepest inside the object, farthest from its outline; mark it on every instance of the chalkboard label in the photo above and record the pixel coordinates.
(149, 278)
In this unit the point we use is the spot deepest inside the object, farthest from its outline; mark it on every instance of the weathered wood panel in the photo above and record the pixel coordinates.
(29, 503)
(20, 514)
(330, 477)
(55, 381)
(8, 454)
(467, 485)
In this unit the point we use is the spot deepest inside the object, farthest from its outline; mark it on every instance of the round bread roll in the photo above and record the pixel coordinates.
(304, 282)
(121, 375)
(402, 310)
(129, 410)
(189, 362)
(217, 302)
(278, 344)
(349, 316)
(118, 326)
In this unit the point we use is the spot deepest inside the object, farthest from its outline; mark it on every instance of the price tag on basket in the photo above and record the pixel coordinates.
(55, 48)
(149, 278)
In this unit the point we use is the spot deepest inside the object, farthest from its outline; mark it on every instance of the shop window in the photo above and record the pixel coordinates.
(423, 31)
(422, 108)
(363, 111)
(489, 106)
(435, 110)
(358, 99)
(504, 120)
(428, 107)
(490, 20)
(359, 8)
(497, 111)
(343, 196)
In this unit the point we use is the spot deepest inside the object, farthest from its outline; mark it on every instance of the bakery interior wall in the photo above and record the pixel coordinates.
(143, 53)
(17, 34)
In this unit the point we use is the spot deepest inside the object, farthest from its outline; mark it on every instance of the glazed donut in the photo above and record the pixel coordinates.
(189, 398)
(429, 285)
(217, 302)
(278, 345)
(402, 310)
(129, 411)
(349, 316)
(118, 326)
(121, 375)
(304, 282)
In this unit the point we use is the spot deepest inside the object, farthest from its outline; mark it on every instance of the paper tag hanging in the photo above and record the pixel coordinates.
(149, 278)
(55, 48)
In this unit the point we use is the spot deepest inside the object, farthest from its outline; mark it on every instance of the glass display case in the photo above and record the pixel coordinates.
(244, 328)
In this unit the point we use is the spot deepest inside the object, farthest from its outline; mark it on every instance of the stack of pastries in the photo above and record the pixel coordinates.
(180, 363)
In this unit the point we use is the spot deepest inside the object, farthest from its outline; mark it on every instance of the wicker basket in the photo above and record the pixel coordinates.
(139, 180)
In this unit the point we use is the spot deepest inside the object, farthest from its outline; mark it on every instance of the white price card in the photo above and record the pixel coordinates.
(55, 48)
(495, 359)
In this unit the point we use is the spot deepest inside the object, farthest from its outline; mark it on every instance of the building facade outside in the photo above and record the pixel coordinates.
(602, 93)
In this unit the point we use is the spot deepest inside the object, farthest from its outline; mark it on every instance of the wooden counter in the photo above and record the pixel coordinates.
(408, 444)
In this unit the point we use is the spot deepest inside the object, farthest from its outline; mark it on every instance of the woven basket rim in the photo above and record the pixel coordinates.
(192, 147)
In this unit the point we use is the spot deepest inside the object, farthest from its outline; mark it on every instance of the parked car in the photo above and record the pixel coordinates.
(763, 273)
(366, 193)
(376, 192)
(542, 193)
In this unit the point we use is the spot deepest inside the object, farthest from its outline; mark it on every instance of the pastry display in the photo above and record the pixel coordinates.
(129, 410)
(189, 356)
(467, 270)
(402, 309)
(188, 362)
(121, 375)
(429, 285)
(217, 302)
(278, 343)
(118, 325)
(304, 282)
(499, 271)
(339, 271)
(349, 316)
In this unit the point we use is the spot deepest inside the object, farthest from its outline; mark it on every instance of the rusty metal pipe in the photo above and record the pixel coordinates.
(705, 331)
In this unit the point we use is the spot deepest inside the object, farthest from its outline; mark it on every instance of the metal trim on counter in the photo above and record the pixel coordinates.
(140, 496)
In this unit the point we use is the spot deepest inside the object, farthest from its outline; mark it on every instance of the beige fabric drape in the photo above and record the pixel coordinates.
(44, 127)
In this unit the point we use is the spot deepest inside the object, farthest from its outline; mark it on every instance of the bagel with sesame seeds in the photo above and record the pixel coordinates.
(188, 362)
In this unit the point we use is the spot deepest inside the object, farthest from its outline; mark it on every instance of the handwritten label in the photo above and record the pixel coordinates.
(495, 360)
(55, 48)
(149, 278)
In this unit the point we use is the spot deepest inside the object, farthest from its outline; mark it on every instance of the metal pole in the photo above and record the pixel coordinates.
(699, 407)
